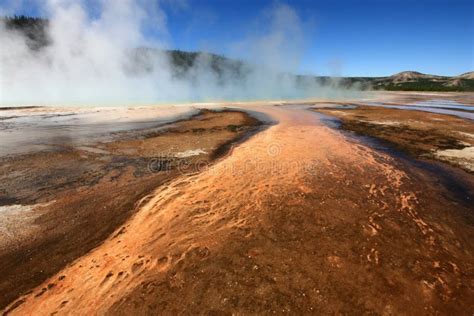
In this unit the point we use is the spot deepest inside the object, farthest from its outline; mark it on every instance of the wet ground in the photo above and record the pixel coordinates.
(31, 129)
(299, 218)
(58, 204)
(438, 106)
(435, 136)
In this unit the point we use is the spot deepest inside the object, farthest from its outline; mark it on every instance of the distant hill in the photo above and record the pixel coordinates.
(416, 81)
(183, 62)
(467, 75)
(410, 76)
(35, 30)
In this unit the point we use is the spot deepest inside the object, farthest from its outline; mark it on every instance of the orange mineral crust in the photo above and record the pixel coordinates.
(299, 218)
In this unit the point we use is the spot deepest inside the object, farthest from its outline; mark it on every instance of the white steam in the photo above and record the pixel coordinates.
(93, 59)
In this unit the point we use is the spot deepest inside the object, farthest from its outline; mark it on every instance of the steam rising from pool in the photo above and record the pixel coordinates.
(93, 59)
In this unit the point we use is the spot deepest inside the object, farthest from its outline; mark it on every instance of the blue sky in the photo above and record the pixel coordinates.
(352, 37)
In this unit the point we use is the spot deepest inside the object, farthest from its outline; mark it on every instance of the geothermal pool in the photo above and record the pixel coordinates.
(47, 128)
(448, 107)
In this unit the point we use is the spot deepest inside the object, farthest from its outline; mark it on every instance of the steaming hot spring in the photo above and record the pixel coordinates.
(138, 179)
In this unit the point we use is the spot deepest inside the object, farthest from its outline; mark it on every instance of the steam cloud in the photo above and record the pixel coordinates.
(96, 59)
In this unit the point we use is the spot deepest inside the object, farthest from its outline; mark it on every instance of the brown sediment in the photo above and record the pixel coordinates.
(7, 108)
(298, 219)
(403, 98)
(83, 193)
(422, 134)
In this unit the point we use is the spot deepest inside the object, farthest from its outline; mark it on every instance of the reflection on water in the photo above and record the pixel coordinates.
(447, 104)
(435, 106)
(23, 131)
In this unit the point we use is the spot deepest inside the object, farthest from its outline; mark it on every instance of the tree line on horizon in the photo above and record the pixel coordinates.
(35, 31)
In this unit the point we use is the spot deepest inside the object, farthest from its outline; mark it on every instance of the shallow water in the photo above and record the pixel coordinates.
(440, 173)
(27, 130)
(434, 106)
(440, 103)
